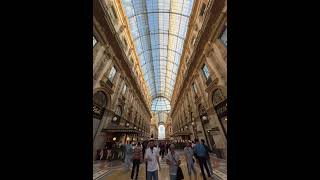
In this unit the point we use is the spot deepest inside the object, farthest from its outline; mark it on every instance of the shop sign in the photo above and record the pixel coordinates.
(98, 111)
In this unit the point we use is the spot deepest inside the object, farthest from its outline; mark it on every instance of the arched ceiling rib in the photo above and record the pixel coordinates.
(158, 28)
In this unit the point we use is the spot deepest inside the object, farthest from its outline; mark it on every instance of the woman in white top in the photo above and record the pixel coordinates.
(190, 160)
(152, 158)
(173, 161)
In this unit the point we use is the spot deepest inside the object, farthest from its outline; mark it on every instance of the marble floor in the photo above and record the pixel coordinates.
(119, 173)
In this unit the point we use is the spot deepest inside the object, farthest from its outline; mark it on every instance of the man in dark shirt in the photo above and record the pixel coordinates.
(201, 153)
(208, 156)
(162, 150)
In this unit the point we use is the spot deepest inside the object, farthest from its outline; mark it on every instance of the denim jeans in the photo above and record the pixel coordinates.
(173, 177)
(153, 174)
(191, 168)
(128, 159)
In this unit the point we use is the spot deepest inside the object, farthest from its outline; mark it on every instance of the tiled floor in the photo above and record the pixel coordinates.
(118, 172)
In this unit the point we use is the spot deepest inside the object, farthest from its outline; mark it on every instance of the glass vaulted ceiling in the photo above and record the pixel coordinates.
(159, 28)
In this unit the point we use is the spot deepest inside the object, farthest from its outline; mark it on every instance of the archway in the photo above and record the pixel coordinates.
(162, 132)
(100, 102)
(219, 101)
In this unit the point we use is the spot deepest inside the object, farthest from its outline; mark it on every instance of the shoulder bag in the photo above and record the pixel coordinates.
(179, 170)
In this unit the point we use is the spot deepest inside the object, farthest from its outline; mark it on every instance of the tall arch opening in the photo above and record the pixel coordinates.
(162, 132)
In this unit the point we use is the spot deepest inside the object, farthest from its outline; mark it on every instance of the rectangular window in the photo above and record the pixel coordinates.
(94, 41)
(125, 43)
(205, 71)
(223, 37)
(114, 13)
(112, 74)
(194, 88)
(124, 89)
(203, 8)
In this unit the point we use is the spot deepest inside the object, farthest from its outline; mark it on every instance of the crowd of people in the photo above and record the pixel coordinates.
(149, 152)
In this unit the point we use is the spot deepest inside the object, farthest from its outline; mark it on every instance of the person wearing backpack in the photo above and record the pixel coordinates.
(201, 154)
(128, 158)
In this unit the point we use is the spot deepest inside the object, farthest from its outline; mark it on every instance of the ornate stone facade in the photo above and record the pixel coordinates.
(202, 73)
(199, 100)
(117, 74)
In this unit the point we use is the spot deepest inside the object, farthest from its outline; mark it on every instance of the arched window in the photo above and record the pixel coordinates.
(162, 133)
(99, 104)
(100, 99)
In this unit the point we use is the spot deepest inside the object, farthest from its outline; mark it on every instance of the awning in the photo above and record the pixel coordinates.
(121, 130)
(183, 133)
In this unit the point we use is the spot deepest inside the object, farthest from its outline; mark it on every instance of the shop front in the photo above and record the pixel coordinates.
(219, 101)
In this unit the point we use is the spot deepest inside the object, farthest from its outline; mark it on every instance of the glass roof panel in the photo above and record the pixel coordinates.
(160, 104)
(158, 28)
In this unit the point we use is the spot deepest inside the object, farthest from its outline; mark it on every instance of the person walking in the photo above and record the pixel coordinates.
(162, 150)
(128, 158)
(188, 151)
(173, 161)
(200, 152)
(153, 164)
(137, 158)
(208, 150)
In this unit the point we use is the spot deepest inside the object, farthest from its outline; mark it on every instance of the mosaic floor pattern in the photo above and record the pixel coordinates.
(118, 172)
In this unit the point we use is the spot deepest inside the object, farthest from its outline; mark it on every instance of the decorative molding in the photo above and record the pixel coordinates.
(107, 86)
(108, 30)
(212, 85)
(211, 111)
(208, 30)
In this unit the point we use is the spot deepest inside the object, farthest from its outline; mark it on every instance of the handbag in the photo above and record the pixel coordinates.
(179, 170)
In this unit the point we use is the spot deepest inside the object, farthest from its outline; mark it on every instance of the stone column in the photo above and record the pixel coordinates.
(98, 141)
(219, 69)
(219, 138)
(98, 77)
(97, 56)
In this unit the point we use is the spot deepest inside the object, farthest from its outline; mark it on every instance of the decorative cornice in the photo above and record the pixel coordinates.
(107, 87)
(109, 31)
(214, 11)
